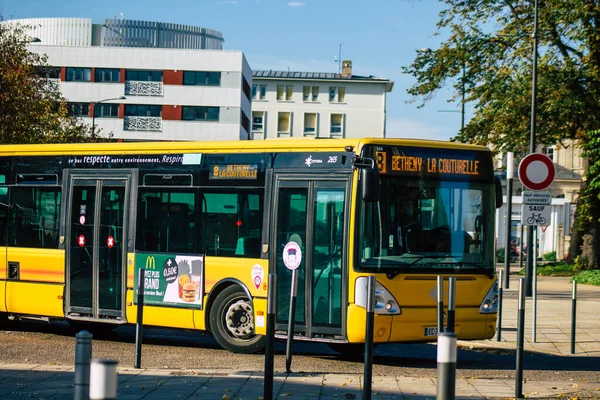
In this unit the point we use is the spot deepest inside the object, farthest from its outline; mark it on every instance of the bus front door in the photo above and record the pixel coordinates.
(96, 233)
(310, 233)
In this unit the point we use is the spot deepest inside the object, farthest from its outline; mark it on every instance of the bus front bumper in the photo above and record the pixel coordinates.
(419, 325)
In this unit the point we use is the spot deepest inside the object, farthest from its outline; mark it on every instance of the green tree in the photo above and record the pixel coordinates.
(32, 110)
(488, 54)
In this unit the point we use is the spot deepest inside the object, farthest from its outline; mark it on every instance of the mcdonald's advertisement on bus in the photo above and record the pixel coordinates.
(171, 280)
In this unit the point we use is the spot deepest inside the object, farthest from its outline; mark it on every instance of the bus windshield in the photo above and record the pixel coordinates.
(421, 224)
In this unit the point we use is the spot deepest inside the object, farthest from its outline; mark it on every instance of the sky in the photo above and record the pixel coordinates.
(378, 36)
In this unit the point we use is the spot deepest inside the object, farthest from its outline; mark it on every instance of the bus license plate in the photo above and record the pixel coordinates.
(431, 331)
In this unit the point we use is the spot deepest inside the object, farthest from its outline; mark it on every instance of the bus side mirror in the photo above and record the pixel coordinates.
(498, 192)
(369, 178)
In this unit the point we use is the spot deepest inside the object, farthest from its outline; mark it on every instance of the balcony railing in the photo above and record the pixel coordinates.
(153, 124)
(143, 88)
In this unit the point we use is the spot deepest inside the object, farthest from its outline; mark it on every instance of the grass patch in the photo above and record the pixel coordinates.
(591, 277)
(558, 269)
(588, 277)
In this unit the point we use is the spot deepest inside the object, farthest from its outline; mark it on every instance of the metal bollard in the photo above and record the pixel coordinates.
(534, 283)
(103, 379)
(451, 304)
(270, 345)
(573, 316)
(291, 322)
(368, 370)
(499, 327)
(520, 338)
(440, 307)
(139, 326)
(83, 356)
(446, 366)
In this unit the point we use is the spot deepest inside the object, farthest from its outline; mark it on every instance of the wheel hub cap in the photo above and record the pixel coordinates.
(239, 319)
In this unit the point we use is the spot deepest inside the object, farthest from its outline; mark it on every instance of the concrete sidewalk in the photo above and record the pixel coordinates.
(553, 320)
(27, 381)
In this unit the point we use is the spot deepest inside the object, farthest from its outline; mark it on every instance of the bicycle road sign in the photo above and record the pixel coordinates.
(536, 214)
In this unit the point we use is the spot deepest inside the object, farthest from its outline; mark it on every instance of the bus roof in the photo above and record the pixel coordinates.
(238, 146)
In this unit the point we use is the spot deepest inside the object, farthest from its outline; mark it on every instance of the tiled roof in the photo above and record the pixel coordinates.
(311, 75)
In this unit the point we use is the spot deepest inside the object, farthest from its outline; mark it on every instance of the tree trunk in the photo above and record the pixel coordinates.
(576, 234)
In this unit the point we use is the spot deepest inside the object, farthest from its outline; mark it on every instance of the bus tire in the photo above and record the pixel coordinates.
(232, 322)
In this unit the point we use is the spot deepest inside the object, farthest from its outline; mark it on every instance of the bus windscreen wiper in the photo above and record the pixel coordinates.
(397, 271)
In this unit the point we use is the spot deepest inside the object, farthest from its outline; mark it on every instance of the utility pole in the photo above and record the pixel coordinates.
(531, 246)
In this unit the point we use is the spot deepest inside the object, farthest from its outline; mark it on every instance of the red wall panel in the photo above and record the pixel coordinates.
(171, 112)
(173, 77)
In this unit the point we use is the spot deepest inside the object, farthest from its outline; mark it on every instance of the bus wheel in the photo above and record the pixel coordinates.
(232, 322)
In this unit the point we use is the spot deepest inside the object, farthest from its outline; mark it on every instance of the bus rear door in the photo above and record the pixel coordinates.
(96, 245)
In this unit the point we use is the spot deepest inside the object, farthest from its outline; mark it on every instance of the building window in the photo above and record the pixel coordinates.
(245, 87)
(284, 123)
(341, 94)
(258, 119)
(79, 74)
(315, 93)
(107, 75)
(254, 90)
(48, 72)
(289, 91)
(310, 124)
(263, 92)
(139, 75)
(549, 151)
(279, 92)
(336, 124)
(332, 92)
(104, 110)
(78, 109)
(245, 122)
(310, 95)
(191, 113)
(142, 110)
(202, 78)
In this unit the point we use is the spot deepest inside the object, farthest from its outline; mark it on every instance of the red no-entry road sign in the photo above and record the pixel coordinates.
(536, 171)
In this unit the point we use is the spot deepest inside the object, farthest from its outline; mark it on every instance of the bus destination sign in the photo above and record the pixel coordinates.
(233, 171)
(431, 162)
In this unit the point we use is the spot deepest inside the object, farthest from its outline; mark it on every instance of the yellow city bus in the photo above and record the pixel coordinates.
(208, 222)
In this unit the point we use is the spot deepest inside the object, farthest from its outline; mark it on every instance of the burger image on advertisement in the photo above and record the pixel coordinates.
(189, 292)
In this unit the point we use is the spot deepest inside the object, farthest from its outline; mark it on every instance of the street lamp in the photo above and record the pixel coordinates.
(94, 110)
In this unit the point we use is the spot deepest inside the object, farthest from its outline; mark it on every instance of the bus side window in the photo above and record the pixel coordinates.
(231, 223)
(166, 221)
(34, 216)
(3, 214)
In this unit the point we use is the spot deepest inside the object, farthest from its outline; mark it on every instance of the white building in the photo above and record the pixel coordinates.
(182, 92)
(318, 105)
(120, 32)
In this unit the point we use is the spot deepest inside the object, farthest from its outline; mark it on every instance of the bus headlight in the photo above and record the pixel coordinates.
(385, 303)
(489, 305)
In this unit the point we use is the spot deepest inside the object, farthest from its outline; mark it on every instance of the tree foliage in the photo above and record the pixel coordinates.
(32, 109)
(488, 53)
(492, 41)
